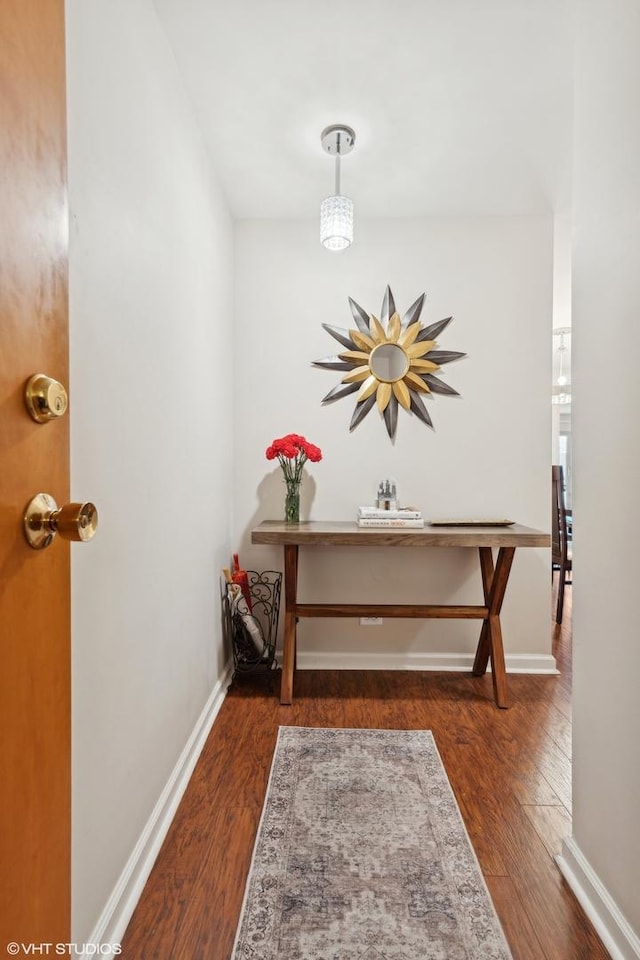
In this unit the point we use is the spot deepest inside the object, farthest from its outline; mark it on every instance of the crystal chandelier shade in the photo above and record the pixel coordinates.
(336, 223)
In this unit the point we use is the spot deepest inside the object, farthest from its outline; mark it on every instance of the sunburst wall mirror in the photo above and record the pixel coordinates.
(390, 362)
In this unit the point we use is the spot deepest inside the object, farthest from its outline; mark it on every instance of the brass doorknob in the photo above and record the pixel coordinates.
(43, 519)
(45, 398)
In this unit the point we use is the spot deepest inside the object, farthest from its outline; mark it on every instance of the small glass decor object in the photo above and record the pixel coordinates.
(387, 495)
(292, 452)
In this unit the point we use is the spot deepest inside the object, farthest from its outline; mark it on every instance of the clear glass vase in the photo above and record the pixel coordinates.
(292, 502)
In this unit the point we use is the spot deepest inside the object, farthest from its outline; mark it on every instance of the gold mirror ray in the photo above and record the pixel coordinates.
(426, 365)
(354, 355)
(354, 376)
(421, 348)
(369, 387)
(409, 336)
(416, 382)
(379, 333)
(402, 393)
(393, 329)
(361, 340)
(383, 396)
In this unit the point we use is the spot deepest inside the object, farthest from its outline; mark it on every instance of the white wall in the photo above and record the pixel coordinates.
(562, 227)
(606, 286)
(488, 455)
(151, 337)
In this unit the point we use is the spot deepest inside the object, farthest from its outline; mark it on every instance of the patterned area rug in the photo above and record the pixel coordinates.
(361, 854)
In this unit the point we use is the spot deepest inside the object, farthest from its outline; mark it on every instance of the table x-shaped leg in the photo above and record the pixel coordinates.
(290, 603)
(494, 585)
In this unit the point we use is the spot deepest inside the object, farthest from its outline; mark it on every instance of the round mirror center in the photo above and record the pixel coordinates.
(388, 362)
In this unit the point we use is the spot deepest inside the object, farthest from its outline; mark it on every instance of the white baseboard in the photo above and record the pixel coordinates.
(459, 662)
(596, 901)
(113, 921)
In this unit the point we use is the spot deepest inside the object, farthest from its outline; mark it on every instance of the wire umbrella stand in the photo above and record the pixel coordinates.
(252, 628)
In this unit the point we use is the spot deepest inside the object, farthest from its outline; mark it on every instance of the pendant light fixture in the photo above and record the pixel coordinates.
(562, 381)
(336, 212)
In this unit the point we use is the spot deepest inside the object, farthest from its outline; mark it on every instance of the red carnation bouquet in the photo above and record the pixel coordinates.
(292, 452)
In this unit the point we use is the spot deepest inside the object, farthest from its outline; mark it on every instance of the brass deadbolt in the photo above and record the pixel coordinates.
(43, 519)
(45, 399)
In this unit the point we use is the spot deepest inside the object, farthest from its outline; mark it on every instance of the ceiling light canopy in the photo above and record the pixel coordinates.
(336, 212)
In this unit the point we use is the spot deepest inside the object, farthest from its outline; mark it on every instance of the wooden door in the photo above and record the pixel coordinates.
(34, 585)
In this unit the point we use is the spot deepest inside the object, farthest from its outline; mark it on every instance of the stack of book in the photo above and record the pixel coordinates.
(377, 517)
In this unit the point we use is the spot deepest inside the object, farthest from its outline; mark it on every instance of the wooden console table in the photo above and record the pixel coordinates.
(494, 582)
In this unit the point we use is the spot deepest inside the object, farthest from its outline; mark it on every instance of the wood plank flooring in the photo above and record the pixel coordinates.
(510, 771)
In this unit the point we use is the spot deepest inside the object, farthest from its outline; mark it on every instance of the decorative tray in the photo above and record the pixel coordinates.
(471, 523)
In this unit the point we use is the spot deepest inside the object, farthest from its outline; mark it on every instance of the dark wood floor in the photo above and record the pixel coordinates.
(510, 771)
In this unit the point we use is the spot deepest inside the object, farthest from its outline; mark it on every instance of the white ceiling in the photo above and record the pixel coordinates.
(459, 106)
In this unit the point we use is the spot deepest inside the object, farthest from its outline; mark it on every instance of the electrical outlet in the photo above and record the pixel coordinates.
(370, 621)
